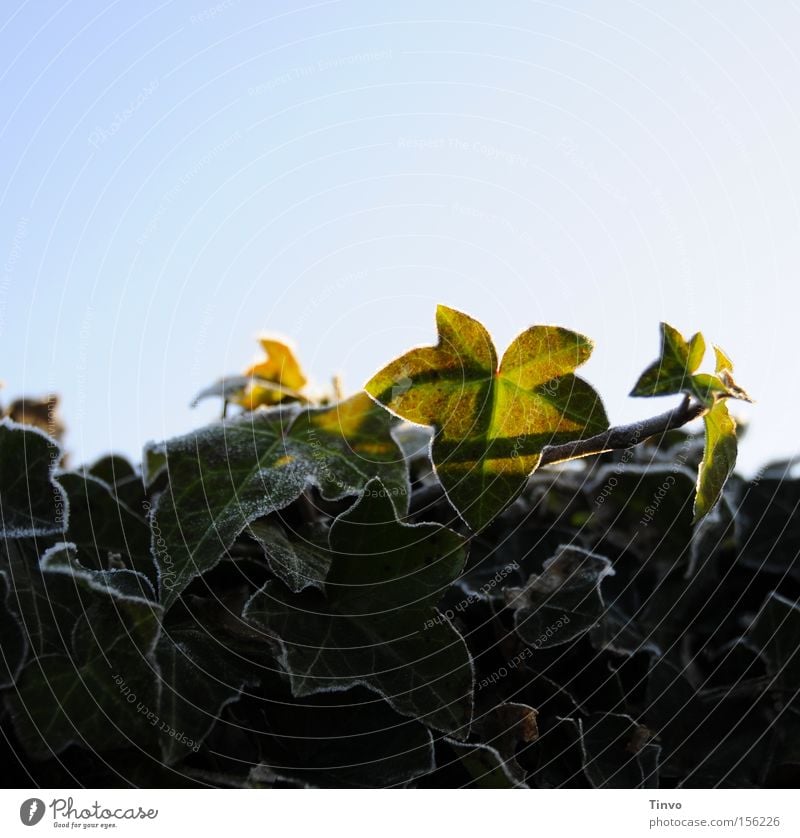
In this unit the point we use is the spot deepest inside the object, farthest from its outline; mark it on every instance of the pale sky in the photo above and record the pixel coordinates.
(177, 177)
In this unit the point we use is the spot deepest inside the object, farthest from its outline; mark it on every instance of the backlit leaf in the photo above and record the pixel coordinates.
(719, 459)
(491, 423)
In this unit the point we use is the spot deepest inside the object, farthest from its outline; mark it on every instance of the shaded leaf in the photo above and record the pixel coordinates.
(31, 500)
(616, 752)
(301, 561)
(377, 624)
(199, 677)
(491, 761)
(491, 423)
(343, 740)
(99, 524)
(13, 645)
(562, 602)
(94, 694)
(776, 631)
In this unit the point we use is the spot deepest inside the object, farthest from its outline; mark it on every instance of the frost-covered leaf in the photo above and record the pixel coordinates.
(100, 524)
(62, 559)
(95, 694)
(301, 560)
(31, 500)
(719, 459)
(617, 752)
(199, 677)
(491, 760)
(377, 623)
(13, 644)
(562, 602)
(46, 607)
(776, 632)
(491, 422)
(768, 523)
(227, 475)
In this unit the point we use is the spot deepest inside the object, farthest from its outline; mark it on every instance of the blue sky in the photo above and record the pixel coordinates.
(176, 178)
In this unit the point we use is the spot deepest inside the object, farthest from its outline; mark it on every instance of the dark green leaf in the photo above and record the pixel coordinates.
(563, 602)
(377, 623)
(13, 645)
(226, 476)
(31, 501)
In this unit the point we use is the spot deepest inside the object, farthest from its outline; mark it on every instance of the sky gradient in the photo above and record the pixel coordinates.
(176, 178)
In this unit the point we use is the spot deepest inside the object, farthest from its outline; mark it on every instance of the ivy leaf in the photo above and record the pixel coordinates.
(93, 695)
(225, 476)
(277, 378)
(301, 561)
(776, 631)
(672, 372)
(31, 500)
(199, 678)
(491, 761)
(63, 559)
(46, 607)
(13, 645)
(377, 624)
(719, 459)
(100, 524)
(676, 372)
(342, 740)
(616, 752)
(564, 601)
(491, 422)
(124, 481)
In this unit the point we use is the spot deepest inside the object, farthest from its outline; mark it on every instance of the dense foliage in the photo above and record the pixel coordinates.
(316, 592)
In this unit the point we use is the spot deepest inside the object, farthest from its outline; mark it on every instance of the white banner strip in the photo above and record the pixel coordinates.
(394, 814)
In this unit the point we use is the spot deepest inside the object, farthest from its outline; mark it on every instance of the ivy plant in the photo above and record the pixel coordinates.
(399, 588)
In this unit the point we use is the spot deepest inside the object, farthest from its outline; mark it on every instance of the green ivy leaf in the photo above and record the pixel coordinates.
(491, 760)
(93, 695)
(200, 676)
(491, 422)
(46, 606)
(719, 459)
(100, 524)
(377, 623)
(13, 645)
(776, 631)
(226, 476)
(300, 561)
(672, 372)
(31, 500)
(562, 602)
(616, 752)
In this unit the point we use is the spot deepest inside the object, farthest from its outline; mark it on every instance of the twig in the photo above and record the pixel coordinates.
(614, 439)
(624, 436)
